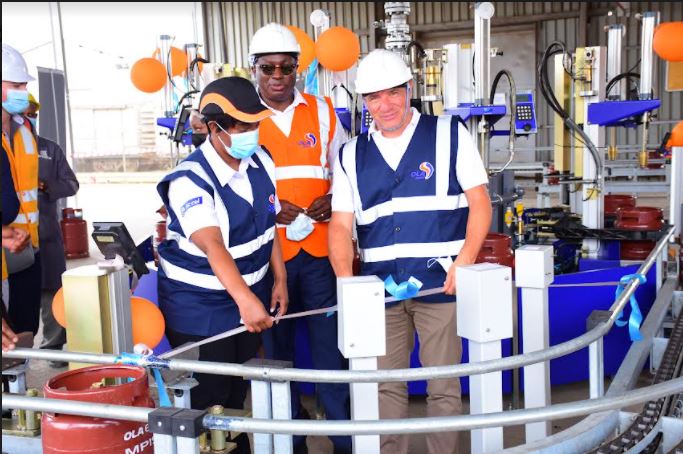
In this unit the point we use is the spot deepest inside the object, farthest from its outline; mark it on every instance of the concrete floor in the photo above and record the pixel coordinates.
(136, 203)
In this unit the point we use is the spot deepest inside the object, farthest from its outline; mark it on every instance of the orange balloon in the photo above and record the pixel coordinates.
(147, 320)
(307, 47)
(668, 39)
(58, 308)
(177, 60)
(337, 48)
(676, 138)
(148, 75)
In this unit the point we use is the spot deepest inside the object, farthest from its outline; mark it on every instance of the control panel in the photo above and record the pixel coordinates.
(525, 117)
(365, 120)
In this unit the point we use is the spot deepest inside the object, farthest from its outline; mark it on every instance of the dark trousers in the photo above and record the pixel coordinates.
(24, 298)
(312, 285)
(227, 391)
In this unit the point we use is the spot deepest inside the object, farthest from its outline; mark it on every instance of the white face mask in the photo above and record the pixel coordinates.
(300, 228)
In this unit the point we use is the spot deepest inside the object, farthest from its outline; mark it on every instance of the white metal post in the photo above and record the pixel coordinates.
(596, 369)
(261, 408)
(164, 444)
(361, 327)
(282, 409)
(592, 212)
(484, 317)
(534, 273)
(676, 195)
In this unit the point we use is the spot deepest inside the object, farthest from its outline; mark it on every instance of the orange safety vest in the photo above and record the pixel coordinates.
(301, 167)
(23, 161)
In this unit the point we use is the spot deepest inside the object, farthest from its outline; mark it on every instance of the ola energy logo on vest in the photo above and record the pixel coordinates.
(425, 173)
(271, 203)
(309, 140)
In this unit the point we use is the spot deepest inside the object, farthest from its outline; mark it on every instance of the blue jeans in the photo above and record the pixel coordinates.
(312, 285)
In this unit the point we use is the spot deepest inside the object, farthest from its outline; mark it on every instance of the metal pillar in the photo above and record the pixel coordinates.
(614, 34)
(592, 205)
(534, 273)
(676, 194)
(484, 317)
(271, 400)
(362, 338)
(650, 21)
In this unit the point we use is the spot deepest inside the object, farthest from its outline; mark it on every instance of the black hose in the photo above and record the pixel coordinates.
(549, 95)
(617, 78)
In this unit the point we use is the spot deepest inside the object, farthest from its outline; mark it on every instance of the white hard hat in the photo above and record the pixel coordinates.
(273, 39)
(379, 70)
(14, 67)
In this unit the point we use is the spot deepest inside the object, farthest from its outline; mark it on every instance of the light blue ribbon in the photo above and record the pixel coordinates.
(403, 291)
(636, 317)
(153, 363)
(312, 78)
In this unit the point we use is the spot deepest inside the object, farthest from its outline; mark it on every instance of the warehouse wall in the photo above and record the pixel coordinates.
(229, 26)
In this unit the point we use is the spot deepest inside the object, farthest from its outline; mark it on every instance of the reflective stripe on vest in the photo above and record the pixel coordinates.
(205, 280)
(301, 166)
(23, 160)
(237, 251)
(440, 201)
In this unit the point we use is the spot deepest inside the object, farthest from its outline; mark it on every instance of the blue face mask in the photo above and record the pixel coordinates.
(34, 123)
(244, 144)
(17, 101)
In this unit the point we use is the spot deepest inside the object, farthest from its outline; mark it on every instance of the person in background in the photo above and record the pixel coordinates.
(56, 180)
(221, 263)
(21, 150)
(12, 239)
(199, 129)
(415, 186)
(303, 137)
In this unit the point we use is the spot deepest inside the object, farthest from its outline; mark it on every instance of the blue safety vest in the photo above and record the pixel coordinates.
(419, 212)
(191, 297)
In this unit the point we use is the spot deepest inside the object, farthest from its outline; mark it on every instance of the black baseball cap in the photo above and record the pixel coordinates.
(234, 96)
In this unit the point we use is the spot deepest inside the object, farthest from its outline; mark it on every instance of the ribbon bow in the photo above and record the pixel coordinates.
(636, 317)
(403, 291)
(153, 363)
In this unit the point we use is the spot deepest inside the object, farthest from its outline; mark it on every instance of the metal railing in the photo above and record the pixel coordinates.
(356, 427)
(409, 425)
(394, 375)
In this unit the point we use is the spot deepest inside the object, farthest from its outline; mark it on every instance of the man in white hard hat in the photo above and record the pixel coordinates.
(56, 181)
(20, 149)
(303, 137)
(416, 186)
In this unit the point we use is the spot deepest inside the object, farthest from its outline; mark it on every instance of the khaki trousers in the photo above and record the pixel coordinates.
(439, 346)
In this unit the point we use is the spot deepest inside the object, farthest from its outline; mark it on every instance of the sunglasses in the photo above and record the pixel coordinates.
(269, 70)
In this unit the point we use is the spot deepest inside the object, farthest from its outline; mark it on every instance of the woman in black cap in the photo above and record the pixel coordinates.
(221, 262)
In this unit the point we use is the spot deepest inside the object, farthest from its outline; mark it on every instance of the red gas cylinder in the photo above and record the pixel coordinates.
(69, 434)
(615, 201)
(74, 233)
(641, 219)
(497, 249)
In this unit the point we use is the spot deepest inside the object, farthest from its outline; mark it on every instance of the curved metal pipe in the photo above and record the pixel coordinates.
(395, 375)
(391, 426)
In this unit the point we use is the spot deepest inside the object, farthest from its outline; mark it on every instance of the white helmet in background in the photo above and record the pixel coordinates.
(273, 39)
(14, 67)
(379, 70)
